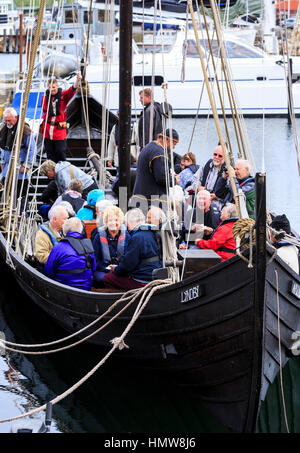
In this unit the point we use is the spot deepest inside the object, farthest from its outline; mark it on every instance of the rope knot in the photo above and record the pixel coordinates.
(119, 342)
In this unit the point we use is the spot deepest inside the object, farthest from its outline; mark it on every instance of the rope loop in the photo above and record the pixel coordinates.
(119, 342)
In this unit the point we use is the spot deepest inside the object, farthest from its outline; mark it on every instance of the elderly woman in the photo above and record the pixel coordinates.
(110, 242)
(72, 261)
(222, 240)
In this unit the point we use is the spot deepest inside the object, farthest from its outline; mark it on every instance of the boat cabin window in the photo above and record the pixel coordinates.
(234, 50)
(139, 81)
(69, 19)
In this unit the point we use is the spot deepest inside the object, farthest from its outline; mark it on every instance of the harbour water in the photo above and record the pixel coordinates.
(120, 398)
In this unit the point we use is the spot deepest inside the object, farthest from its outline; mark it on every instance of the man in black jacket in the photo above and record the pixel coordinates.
(153, 170)
(151, 109)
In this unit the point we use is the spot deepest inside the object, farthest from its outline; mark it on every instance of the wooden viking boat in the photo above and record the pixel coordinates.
(223, 331)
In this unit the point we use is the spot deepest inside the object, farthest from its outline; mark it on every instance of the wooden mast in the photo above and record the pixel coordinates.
(125, 83)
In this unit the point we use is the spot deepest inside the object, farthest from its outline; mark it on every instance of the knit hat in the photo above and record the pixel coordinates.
(95, 195)
(281, 222)
(175, 135)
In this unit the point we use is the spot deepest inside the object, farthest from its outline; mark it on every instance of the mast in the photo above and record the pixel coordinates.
(125, 82)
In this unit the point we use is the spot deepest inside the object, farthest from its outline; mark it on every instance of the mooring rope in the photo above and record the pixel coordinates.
(117, 342)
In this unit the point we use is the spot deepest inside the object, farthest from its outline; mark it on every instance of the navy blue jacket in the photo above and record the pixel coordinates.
(151, 174)
(141, 245)
(63, 257)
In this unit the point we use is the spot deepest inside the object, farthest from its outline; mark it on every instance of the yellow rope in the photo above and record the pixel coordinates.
(242, 228)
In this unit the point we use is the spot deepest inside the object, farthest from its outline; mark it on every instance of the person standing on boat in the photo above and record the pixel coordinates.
(72, 261)
(285, 250)
(243, 180)
(63, 173)
(222, 240)
(151, 114)
(49, 234)
(54, 126)
(28, 148)
(153, 168)
(141, 258)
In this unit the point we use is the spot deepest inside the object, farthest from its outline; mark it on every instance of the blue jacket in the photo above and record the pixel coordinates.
(112, 250)
(63, 257)
(88, 211)
(65, 172)
(27, 155)
(141, 245)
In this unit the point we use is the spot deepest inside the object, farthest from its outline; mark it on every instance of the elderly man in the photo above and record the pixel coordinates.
(153, 168)
(141, 258)
(54, 126)
(156, 216)
(206, 177)
(49, 234)
(146, 133)
(28, 148)
(222, 240)
(243, 180)
(72, 261)
(206, 215)
(63, 173)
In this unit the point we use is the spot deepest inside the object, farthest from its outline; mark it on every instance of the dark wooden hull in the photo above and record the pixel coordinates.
(210, 344)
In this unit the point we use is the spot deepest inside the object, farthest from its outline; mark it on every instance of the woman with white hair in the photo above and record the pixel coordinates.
(141, 257)
(72, 261)
(222, 241)
(109, 242)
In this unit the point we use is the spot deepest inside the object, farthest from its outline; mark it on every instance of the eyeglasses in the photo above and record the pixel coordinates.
(218, 155)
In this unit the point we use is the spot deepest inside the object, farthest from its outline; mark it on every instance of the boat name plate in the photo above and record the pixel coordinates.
(191, 293)
(295, 289)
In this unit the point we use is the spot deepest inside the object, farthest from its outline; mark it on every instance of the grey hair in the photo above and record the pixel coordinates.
(245, 163)
(11, 111)
(203, 192)
(231, 210)
(102, 204)
(135, 215)
(57, 211)
(46, 166)
(68, 207)
(158, 214)
(72, 225)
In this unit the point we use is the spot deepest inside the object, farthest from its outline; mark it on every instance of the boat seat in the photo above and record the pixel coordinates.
(89, 226)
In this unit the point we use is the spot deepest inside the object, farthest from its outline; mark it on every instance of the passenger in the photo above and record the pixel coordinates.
(100, 208)
(285, 250)
(185, 177)
(68, 207)
(63, 173)
(156, 216)
(8, 134)
(110, 242)
(113, 145)
(73, 195)
(153, 167)
(141, 258)
(206, 177)
(222, 240)
(49, 234)
(243, 180)
(146, 133)
(72, 261)
(88, 212)
(54, 126)
(204, 212)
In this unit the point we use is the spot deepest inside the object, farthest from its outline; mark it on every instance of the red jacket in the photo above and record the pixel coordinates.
(221, 239)
(52, 131)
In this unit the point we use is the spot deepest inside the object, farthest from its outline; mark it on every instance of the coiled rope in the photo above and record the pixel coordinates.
(118, 342)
